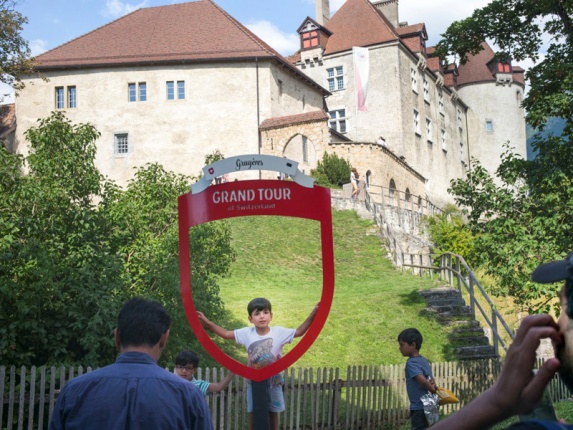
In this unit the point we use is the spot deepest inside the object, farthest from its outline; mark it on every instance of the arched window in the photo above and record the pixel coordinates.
(392, 189)
(368, 175)
(408, 195)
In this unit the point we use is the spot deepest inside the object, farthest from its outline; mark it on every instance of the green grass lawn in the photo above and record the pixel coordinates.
(280, 258)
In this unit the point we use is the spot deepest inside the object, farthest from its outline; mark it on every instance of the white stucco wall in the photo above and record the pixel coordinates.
(500, 104)
(219, 112)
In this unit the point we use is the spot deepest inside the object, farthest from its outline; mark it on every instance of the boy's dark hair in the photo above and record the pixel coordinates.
(187, 357)
(258, 304)
(411, 335)
(142, 322)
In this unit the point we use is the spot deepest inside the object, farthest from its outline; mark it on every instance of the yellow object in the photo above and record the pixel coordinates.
(445, 396)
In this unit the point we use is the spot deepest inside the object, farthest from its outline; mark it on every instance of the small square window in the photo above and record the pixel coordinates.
(335, 78)
(489, 125)
(121, 143)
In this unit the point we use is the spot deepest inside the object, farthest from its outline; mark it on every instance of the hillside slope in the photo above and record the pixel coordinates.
(279, 258)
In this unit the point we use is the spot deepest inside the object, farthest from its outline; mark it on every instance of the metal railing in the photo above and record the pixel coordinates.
(451, 267)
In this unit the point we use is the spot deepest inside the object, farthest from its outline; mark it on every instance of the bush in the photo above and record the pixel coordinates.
(450, 233)
(332, 171)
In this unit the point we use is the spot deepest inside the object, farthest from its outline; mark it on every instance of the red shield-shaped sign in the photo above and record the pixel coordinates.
(249, 198)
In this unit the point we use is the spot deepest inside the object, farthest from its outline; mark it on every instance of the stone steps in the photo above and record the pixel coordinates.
(468, 340)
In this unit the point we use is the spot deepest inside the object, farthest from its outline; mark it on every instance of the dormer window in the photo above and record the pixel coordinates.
(309, 39)
(503, 67)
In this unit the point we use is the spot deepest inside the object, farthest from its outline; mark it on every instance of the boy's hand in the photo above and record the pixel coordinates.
(202, 317)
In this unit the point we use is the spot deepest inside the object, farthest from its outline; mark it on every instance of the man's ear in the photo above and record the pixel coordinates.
(163, 339)
(116, 338)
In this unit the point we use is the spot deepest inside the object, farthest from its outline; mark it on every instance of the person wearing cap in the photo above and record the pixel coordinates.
(518, 389)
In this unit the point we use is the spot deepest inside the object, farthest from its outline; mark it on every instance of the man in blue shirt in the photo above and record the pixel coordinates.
(134, 392)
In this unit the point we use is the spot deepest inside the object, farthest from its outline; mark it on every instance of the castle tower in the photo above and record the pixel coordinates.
(493, 89)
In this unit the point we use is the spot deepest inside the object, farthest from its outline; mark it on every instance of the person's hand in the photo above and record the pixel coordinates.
(517, 389)
(202, 317)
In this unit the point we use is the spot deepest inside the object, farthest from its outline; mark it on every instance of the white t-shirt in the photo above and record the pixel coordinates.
(264, 350)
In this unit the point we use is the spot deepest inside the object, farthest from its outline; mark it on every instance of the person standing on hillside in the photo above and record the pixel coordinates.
(354, 180)
(419, 379)
(134, 392)
(264, 346)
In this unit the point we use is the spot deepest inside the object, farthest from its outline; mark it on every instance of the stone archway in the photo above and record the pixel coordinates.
(301, 149)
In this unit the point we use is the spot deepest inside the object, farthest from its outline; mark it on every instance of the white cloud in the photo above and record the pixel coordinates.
(285, 43)
(117, 8)
(37, 46)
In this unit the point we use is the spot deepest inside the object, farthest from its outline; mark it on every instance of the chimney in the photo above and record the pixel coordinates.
(322, 11)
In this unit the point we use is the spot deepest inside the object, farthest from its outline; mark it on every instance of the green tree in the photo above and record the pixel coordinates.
(15, 60)
(147, 238)
(522, 219)
(450, 233)
(74, 247)
(58, 276)
(331, 171)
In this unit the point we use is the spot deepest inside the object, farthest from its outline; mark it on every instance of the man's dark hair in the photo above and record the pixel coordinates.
(411, 335)
(142, 322)
(258, 304)
(187, 357)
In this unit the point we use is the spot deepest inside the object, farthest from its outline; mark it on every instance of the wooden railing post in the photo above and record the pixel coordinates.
(472, 297)
(458, 274)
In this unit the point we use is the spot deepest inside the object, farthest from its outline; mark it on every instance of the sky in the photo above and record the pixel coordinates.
(54, 22)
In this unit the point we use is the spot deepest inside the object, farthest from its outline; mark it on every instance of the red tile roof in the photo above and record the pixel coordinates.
(196, 31)
(358, 23)
(283, 121)
(477, 69)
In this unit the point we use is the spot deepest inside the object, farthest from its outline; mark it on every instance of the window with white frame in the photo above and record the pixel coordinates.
(414, 79)
(426, 85)
(335, 78)
(66, 97)
(489, 125)
(121, 143)
(142, 87)
(441, 102)
(416, 122)
(175, 90)
(72, 101)
(137, 90)
(338, 120)
(443, 139)
(429, 130)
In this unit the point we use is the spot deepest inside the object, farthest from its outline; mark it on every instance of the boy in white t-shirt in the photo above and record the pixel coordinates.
(264, 346)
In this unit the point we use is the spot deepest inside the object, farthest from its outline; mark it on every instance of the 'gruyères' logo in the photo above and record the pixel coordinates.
(249, 198)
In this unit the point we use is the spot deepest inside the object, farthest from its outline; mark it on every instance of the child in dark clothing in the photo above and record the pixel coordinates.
(419, 379)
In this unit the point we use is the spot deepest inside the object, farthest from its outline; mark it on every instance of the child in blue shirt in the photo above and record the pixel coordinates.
(419, 379)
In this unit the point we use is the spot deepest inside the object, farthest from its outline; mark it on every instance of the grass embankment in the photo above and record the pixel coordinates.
(280, 259)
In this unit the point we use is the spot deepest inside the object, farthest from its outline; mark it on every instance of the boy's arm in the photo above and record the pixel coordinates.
(219, 331)
(302, 329)
(215, 387)
(420, 379)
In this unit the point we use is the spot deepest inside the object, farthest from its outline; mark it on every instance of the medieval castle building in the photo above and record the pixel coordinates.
(174, 83)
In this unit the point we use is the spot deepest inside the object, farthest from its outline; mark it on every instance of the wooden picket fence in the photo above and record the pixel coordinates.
(370, 397)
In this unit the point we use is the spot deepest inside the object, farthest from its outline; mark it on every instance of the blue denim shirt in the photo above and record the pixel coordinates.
(133, 393)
